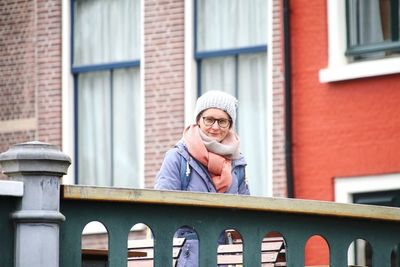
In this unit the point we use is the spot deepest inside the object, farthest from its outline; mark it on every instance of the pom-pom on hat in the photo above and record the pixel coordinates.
(217, 99)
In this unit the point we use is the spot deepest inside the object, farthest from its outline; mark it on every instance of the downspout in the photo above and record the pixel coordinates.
(288, 99)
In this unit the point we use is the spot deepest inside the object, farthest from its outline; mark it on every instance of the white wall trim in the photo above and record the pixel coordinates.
(345, 187)
(143, 98)
(11, 188)
(360, 70)
(67, 92)
(339, 68)
(190, 64)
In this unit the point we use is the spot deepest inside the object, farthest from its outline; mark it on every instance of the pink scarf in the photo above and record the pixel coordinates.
(218, 166)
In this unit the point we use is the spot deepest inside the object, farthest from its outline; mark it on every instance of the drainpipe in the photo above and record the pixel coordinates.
(288, 99)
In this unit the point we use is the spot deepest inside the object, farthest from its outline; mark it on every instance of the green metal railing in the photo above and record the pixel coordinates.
(41, 224)
(209, 214)
(7, 206)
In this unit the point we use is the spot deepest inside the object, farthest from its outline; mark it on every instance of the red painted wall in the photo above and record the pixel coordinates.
(347, 128)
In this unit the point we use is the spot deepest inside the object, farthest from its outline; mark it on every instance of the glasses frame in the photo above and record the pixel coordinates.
(216, 120)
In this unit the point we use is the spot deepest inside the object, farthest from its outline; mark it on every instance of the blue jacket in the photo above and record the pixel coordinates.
(168, 178)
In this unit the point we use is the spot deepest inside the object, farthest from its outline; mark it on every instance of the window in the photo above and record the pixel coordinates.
(372, 28)
(105, 65)
(363, 39)
(231, 55)
(383, 190)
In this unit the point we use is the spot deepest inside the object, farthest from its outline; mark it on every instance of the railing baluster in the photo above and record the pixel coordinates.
(294, 250)
(381, 253)
(251, 248)
(163, 247)
(118, 240)
(208, 245)
(338, 252)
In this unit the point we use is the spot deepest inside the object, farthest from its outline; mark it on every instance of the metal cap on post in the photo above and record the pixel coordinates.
(40, 167)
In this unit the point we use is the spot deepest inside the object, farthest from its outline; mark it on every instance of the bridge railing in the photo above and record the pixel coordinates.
(42, 226)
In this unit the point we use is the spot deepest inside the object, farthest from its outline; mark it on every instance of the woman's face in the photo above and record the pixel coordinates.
(214, 131)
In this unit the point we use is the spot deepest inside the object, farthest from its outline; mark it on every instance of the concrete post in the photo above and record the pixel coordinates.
(39, 166)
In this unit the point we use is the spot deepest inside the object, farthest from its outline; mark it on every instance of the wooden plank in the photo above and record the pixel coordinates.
(149, 243)
(230, 259)
(147, 263)
(281, 205)
(268, 257)
(104, 252)
(149, 253)
(271, 246)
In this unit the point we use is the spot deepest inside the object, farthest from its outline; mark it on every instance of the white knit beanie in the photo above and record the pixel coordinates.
(217, 99)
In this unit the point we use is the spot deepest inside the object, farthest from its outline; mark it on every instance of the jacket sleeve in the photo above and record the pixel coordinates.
(168, 177)
(243, 187)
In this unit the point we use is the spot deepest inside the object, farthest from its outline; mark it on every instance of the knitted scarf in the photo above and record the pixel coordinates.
(216, 156)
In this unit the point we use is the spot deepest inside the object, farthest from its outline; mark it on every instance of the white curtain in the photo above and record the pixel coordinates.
(225, 24)
(109, 135)
(127, 128)
(251, 91)
(94, 129)
(218, 74)
(252, 119)
(106, 31)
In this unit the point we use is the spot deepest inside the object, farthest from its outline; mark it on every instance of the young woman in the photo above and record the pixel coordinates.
(206, 159)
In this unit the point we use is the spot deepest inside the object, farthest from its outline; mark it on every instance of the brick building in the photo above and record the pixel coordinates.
(113, 83)
(345, 99)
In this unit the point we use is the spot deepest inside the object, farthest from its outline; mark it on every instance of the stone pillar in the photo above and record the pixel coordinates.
(39, 166)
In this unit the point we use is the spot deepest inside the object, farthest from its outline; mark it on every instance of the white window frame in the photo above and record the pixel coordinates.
(191, 81)
(346, 187)
(339, 67)
(68, 138)
(67, 93)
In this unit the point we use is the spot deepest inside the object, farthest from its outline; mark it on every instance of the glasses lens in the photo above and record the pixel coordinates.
(208, 121)
(223, 123)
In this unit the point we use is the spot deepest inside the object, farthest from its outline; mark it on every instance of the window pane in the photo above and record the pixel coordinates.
(94, 141)
(218, 74)
(252, 119)
(127, 127)
(106, 31)
(226, 24)
(366, 23)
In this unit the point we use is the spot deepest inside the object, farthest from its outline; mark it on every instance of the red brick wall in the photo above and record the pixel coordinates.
(30, 73)
(340, 129)
(48, 67)
(17, 57)
(163, 80)
(30, 78)
(278, 105)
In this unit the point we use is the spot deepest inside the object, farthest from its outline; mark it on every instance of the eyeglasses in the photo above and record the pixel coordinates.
(223, 123)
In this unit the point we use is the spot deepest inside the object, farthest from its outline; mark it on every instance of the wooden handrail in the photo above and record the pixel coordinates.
(283, 205)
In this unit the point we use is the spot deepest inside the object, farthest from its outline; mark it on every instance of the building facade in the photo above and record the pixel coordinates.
(345, 99)
(113, 83)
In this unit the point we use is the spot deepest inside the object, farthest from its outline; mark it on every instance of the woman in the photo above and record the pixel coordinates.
(206, 159)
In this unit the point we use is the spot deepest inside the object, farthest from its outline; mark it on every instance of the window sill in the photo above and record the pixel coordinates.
(360, 70)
